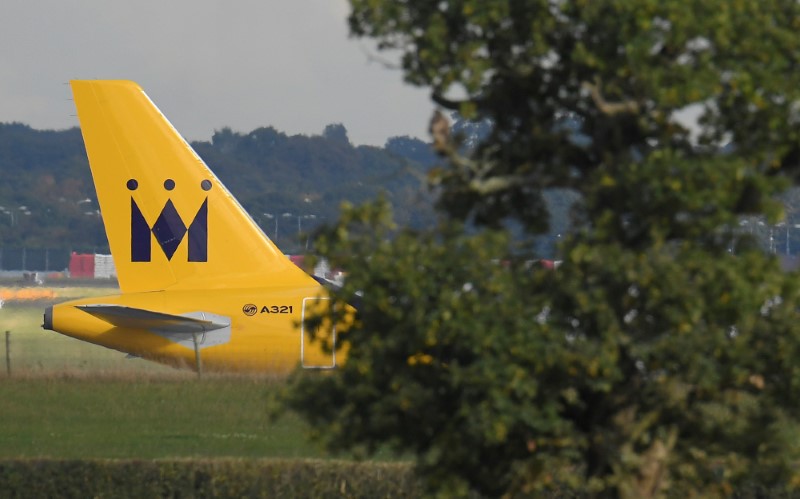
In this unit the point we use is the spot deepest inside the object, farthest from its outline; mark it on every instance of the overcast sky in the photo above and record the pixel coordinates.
(207, 64)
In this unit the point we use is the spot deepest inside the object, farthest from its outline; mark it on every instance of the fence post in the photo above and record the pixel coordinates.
(197, 362)
(8, 353)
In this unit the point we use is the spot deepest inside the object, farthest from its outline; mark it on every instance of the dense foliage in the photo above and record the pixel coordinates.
(662, 356)
(209, 478)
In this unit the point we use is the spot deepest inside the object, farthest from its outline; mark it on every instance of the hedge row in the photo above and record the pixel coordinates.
(192, 478)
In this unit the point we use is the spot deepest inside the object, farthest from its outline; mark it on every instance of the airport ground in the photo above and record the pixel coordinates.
(63, 398)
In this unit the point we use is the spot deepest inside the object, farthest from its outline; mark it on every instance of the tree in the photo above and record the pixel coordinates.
(661, 357)
(336, 133)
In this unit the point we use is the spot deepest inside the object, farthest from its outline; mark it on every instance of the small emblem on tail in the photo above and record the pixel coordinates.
(169, 228)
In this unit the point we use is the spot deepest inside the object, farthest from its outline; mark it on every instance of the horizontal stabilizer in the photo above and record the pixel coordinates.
(137, 318)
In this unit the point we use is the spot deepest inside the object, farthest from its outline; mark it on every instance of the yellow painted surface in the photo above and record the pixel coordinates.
(127, 138)
(263, 342)
(140, 162)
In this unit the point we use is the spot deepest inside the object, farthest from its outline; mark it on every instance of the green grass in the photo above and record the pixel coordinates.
(146, 418)
(35, 351)
(67, 398)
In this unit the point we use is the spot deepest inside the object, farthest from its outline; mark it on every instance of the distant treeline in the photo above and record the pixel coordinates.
(289, 184)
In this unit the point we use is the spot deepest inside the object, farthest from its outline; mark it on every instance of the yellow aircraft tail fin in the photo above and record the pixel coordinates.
(170, 222)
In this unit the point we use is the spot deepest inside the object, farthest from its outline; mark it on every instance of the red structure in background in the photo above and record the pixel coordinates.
(81, 265)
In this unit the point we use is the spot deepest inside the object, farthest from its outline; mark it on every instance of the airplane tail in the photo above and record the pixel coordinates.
(170, 222)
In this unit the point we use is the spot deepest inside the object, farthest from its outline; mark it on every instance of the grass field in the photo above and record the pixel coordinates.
(35, 351)
(70, 399)
(145, 417)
